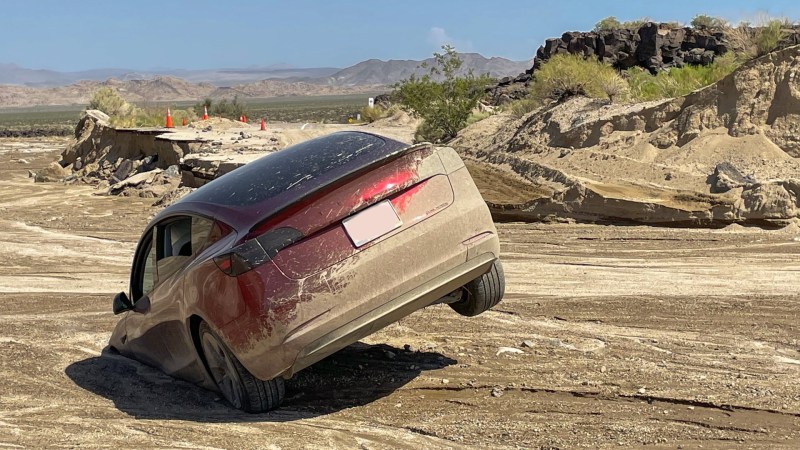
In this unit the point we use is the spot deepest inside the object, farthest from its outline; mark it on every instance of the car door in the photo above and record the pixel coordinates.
(157, 333)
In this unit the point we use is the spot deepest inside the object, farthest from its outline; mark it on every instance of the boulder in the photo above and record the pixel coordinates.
(53, 172)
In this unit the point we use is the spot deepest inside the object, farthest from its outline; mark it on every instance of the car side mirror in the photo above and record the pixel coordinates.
(121, 304)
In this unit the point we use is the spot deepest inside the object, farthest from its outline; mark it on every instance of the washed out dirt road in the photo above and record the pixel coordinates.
(607, 336)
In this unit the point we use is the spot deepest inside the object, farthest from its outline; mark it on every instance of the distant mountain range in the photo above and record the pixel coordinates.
(375, 71)
(20, 86)
(14, 74)
(166, 89)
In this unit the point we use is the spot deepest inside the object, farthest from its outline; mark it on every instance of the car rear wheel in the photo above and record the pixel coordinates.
(239, 387)
(482, 293)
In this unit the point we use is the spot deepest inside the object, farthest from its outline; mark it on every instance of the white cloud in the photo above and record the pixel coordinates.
(438, 37)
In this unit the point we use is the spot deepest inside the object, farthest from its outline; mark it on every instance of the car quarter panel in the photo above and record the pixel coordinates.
(285, 315)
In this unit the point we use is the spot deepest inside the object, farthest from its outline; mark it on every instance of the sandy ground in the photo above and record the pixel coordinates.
(623, 336)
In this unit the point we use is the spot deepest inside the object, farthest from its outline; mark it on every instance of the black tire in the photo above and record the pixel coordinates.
(482, 293)
(239, 387)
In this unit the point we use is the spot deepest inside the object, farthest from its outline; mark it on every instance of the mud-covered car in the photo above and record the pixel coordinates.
(292, 257)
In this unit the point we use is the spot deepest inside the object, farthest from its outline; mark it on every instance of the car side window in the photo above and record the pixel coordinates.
(144, 273)
(178, 240)
(149, 274)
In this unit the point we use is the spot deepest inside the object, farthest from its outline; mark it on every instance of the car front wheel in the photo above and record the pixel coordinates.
(239, 387)
(482, 293)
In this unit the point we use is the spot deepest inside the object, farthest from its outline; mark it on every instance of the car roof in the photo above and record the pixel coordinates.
(263, 187)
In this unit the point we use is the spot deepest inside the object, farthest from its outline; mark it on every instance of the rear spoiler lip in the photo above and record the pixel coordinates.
(339, 181)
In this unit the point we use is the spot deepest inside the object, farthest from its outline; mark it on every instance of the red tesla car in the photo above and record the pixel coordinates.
(282, 262)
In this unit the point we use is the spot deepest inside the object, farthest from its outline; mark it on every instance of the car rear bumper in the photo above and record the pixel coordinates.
(391, 311)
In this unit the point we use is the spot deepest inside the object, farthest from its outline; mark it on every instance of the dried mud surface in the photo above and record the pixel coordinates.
(632, 336)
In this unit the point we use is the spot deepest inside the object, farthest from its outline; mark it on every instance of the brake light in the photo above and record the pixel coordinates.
(257, 251)
(387, 185)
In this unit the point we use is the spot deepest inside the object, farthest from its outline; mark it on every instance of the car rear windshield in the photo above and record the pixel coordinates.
(302, 168)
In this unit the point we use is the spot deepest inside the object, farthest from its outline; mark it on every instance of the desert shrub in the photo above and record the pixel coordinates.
(521, 107)
(200, 108)
(742, 40)
(672, 25)
(768, 35)
(429, 132)
(608, 24)
(613, 86)
(126, 115)
(110, 102)
(704, 21)
(230, 109)
(677, 82)
(477, 116)
(372, 114)
(635, 24)
(444, 106)
(567, 75)
(152, 116)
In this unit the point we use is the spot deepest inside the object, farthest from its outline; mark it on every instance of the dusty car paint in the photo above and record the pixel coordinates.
(320, 292)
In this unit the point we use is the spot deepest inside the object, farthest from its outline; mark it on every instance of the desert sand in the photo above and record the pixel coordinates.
(608, 336)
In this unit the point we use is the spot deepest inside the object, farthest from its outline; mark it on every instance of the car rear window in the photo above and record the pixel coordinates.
(301, 167)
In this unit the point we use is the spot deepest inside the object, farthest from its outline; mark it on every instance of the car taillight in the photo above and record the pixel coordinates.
(387, 185)
(256, 251)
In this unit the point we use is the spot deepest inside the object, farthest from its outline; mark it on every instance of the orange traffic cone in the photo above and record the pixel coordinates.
(205, 112)
(263, 125)
(241, 118)
(183, 122)
(169, 119)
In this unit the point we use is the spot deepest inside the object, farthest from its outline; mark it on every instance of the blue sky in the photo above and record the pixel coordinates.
(199, 34)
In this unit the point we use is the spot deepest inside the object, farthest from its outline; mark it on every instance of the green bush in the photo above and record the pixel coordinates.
(768, 35)
(152, 116)
(229, 109)
(125, 115)
(110, 102)
(608, 24)
(233, 109)
(704, 21)
(521, 107)
(200, 108)
(444, 106)
(567, 75)
(372, 114)
(678, 82)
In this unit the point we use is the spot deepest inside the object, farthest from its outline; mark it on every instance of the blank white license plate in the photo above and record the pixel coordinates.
(372, 223)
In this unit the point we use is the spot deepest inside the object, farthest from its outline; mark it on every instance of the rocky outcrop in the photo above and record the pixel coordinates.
(726, 153)
(652, 46)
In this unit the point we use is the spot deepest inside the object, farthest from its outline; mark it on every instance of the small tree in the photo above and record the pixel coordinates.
(608, 24)
(444, 106)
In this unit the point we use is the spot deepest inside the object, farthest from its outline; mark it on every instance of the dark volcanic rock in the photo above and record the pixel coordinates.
(652, 46)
